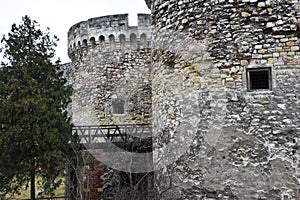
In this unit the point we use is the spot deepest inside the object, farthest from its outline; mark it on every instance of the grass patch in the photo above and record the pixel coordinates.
(25, 193)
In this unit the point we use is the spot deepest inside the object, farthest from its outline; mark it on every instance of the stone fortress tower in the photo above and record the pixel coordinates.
(222, 84)
(111, 67)
(237, 64)
(111, 62)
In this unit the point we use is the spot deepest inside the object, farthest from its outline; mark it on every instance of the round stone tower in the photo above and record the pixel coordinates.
(226, 100)
(111, 62)
(111, 86)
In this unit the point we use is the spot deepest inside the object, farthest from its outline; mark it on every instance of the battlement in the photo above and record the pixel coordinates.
(110, 33)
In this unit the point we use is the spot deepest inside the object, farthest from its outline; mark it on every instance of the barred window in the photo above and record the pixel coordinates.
(259, 79)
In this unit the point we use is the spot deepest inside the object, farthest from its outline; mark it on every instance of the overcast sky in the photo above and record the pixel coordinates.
(60, 15)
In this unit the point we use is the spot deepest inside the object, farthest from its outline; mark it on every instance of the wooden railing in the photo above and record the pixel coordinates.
(90, 135)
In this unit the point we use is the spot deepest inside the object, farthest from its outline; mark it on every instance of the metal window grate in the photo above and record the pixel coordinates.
(259, 79)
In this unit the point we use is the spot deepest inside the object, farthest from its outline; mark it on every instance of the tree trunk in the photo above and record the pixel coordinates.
(32, 184)
(131, 186)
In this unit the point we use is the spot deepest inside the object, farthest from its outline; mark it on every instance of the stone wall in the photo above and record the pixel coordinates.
(111, 61)
(243, 143)
(111, 78)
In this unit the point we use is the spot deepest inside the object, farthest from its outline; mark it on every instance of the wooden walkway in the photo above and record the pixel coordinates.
(101, 134)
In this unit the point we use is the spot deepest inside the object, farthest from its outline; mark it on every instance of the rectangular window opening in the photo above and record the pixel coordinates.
(259, 79)
(118, 106)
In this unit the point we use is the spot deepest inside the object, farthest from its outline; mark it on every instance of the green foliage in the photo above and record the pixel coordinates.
(35, 130)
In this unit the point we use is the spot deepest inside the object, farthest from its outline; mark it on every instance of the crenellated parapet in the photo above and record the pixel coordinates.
(109, 33)
(107, 54)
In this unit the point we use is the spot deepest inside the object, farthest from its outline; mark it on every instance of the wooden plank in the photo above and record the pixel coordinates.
(90, 135)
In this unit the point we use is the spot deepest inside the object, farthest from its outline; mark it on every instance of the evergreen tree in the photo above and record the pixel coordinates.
(35, 130)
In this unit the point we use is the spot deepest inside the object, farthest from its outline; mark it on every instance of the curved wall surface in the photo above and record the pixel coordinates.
(237, 63)
(111, 61)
